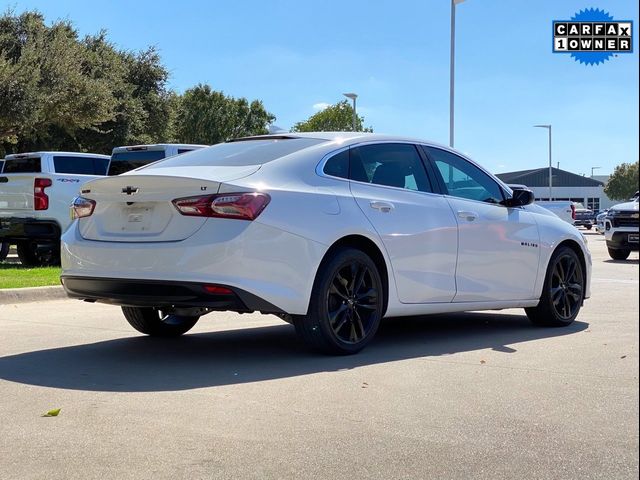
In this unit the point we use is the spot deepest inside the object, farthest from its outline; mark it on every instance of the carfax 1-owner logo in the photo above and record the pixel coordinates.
(592, 36)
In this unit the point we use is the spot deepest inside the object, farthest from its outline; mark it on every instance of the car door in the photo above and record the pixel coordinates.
(498, 247)
(391, 186)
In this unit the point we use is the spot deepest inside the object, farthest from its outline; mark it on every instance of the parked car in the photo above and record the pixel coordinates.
(4, 250)
(130, 157)
(566, 210)
(329, 231)
(621, 228)
(600, 220)
(584, 217)
(36, 190)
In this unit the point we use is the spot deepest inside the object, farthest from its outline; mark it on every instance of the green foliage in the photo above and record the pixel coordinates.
(623, 183)
(47, 81)
(207, 116)
(62, 92)
(335, 118)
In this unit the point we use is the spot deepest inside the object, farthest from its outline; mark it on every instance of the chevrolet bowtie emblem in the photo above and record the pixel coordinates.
(130, 190)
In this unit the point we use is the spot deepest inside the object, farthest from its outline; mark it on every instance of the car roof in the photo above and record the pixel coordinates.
(347, 138)
(40, 154)
(156, 146)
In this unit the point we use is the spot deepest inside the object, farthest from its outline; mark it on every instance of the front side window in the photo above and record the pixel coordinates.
(463, 179)
(390, 164)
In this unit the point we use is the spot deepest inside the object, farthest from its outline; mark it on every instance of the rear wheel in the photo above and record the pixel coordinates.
(563, 291)
(346, 304)
(155, 323)
(32, 254)
(617, 254)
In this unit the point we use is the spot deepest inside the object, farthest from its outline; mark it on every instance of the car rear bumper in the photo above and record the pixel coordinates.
(15, 229)
(266, 262)
(158, 293)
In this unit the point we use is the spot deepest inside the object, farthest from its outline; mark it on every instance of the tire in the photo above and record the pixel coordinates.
(562, 292)
(346, 304)
(619, 254)
(33, 256)
(588, 227)
(4, 250)
(153, 322)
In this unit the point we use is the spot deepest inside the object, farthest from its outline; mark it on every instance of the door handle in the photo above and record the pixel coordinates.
(468, 216)
(384, 207)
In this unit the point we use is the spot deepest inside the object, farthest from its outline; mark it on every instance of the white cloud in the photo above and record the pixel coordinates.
(321, 105)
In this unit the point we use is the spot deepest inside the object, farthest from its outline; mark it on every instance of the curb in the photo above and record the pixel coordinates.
(31, 294)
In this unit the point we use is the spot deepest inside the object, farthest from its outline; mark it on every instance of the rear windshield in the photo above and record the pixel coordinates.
(22, 165)
(81, 165)
(124, 161)
(240, 153)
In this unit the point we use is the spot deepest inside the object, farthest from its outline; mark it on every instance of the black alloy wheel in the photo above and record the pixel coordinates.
(346, 305)
(563, 290)
(352, 302)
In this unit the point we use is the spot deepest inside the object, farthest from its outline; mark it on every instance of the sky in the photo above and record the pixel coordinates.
(298, 56)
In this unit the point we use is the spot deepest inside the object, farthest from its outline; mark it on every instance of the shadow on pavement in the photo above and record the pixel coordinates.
(144, 364)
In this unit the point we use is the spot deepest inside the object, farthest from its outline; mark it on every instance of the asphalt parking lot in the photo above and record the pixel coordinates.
(475, 395)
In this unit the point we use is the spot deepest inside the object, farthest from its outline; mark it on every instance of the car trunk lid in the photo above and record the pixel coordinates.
(139, 208)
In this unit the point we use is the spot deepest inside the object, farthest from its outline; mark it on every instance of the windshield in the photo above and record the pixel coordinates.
(131, 159)
(239, 153)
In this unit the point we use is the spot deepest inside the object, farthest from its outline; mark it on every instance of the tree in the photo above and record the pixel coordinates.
(60, 92)
(623, 183)
(46, 80)
(334, 118)
(208, 116)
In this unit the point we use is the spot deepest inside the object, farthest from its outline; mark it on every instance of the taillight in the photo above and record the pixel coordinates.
(82, 207)
(242, 206)
(41, 199)
(573, 211)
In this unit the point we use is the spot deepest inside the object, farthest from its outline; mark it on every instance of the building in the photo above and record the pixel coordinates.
(565, 186)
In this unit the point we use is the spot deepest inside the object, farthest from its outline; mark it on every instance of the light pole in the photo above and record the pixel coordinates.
(548, 127)
(353, 97)
(452, 68)
(594, 168)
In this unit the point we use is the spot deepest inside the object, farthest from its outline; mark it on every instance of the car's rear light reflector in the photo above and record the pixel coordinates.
(41, 199)
(573, 211)
(242, 206)
(217, 290)
(82, 207)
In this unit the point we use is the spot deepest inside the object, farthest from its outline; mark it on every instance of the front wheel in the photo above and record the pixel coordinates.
(346, 304)
(617, 254)
(155, 323)
(588, 227)
(563, 291)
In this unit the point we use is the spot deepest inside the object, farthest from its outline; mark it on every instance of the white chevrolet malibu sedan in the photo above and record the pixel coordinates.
(329, 231)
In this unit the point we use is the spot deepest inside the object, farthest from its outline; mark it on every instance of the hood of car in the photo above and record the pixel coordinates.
(627, 206)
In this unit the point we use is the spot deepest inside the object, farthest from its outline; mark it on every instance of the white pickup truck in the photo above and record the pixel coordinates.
(124, 159)
(564, 209)
(36, 190)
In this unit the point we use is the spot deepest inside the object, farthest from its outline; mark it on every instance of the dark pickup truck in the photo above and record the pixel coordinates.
(584, 217)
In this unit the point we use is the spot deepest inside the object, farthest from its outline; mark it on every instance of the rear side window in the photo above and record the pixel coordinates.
(22, 165)
(338, 165)
(389, 164)
(81, 165)
(239, 153)
(131, 159)
(1, 165)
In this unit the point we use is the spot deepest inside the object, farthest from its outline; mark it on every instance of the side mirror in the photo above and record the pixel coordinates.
(520, 198)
